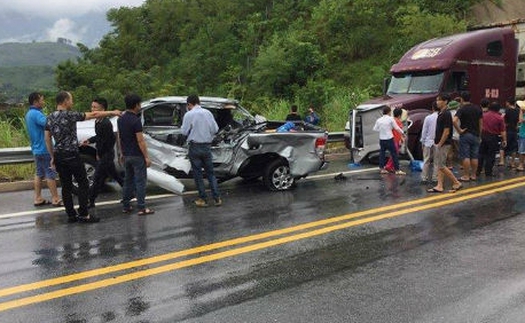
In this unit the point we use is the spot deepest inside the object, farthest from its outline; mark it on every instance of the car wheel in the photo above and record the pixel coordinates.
(89, 164)
(277, 176)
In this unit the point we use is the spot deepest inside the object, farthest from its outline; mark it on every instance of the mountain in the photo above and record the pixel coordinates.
(27, 67)
(36, 54)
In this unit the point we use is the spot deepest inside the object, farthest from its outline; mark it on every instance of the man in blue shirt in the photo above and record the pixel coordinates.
(36, 122)
(312, 117)
(200, 127)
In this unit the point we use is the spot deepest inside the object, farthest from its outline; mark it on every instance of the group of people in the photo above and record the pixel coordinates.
(312, 117)
(55, 147)
(481, 131)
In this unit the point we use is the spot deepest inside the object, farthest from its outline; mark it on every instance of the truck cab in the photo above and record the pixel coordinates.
(483, 62)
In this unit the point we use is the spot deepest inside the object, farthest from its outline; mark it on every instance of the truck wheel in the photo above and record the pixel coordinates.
(89, 164)
(277, 176)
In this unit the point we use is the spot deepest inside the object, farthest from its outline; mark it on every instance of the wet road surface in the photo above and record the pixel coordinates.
(366, 248)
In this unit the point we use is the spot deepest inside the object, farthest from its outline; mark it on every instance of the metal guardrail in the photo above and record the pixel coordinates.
(22, 155)
(336, 136)
(19, 155)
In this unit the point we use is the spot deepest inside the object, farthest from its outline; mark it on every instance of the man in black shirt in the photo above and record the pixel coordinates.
(61, 126)
(443, 141)
(294, 116)
(105, 142)
(468, 122)
(511, 118)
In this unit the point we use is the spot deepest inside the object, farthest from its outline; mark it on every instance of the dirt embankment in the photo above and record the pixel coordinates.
(487, 12)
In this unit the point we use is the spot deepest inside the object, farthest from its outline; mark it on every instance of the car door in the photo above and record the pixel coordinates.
(162, 121)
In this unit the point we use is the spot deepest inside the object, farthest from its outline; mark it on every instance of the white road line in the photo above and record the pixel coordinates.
(161, 196)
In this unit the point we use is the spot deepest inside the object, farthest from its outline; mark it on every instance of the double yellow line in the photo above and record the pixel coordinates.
(238, 246)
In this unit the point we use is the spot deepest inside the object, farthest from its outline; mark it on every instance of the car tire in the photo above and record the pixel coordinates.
(277, 176)
(89, 164)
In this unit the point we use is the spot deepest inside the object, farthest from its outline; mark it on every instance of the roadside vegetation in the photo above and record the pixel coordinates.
(25, 67)
(13, 134)
(267, 54)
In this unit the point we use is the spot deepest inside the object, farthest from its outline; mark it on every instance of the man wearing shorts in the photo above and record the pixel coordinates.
(468, 122)
(443, 141)
(36, 122)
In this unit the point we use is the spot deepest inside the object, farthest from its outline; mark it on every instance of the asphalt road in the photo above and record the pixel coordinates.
(367, 248)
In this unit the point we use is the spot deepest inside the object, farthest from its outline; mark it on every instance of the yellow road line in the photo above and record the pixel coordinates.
(236, 241)
(452, 198)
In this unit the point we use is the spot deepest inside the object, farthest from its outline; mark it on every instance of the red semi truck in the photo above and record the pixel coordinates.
(488, 62)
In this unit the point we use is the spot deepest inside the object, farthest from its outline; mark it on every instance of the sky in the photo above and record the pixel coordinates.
(45, 20)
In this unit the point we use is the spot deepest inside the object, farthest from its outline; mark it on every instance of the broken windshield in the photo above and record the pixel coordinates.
(415, 83)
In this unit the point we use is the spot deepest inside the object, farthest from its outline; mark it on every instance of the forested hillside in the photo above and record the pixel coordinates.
(26, 67)
(260, 51)
(36, 54)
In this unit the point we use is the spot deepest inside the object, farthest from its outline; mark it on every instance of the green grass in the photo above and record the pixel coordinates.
(13, 134)
(20, 172)
(334, 114)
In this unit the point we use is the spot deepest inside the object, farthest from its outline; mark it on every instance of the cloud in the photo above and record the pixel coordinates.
(63, 8)
(65, 28)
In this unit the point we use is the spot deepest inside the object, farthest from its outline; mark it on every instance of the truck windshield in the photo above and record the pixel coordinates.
(415, 83)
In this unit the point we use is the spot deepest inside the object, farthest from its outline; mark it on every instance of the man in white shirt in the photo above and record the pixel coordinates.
(385, 125)
(200, 127)
(428, 134)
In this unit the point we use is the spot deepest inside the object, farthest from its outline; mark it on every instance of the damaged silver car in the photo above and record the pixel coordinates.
(245, 146)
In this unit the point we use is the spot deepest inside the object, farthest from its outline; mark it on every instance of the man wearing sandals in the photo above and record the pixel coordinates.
(443, 141)
(36, 122)
(134, 156)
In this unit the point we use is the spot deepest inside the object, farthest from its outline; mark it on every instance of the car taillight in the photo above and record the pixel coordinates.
(320, 144)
